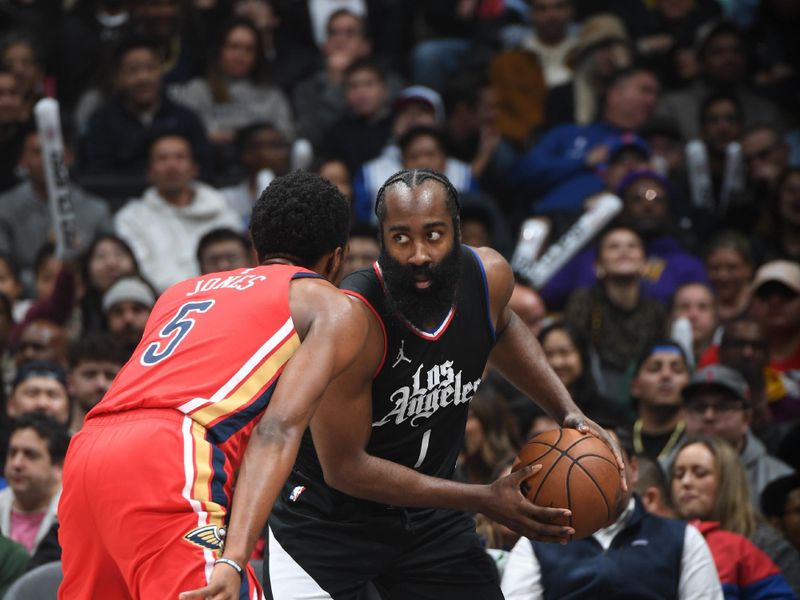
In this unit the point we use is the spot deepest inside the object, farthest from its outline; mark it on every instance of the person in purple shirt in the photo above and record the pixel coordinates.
(646, 197)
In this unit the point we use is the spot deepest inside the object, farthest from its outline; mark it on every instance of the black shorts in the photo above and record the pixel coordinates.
(407, 555)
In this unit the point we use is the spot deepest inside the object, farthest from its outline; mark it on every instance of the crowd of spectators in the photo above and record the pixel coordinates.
(677, 326)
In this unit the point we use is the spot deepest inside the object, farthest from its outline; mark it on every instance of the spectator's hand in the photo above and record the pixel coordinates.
(596, 155)
(505, 504)
(581, 423)
(224, 585)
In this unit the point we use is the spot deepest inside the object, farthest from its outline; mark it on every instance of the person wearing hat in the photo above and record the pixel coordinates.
(40, 385)
(717, 402)
(775, 304)
(601, 47)
(415, 106)
(127, 305)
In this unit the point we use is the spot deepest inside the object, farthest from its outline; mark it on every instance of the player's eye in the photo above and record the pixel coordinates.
(434, 236)
(401, 238)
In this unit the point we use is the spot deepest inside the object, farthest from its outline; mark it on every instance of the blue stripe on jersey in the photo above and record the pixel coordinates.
(485, 293)
(219, 433)
(302, 275)
(219, 478)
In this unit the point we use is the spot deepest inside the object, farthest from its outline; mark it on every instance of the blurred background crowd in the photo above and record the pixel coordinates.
(676, 326)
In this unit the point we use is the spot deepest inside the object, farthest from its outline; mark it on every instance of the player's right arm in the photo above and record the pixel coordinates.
(333, 334)
(341, 428)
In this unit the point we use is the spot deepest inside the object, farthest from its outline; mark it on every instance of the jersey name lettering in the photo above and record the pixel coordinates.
(443, 388)
(236, 282)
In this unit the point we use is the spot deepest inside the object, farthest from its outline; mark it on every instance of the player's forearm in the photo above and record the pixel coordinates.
(519, 357)
(379, 480)
(267, 462)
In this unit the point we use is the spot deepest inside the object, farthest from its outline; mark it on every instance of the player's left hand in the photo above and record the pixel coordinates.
(584, 425)
(224, 585)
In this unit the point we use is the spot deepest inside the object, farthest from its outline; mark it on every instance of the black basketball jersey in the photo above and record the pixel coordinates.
(421, 392)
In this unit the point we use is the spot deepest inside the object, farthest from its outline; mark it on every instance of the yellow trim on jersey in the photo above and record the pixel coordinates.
(201, 490)
(250, 387)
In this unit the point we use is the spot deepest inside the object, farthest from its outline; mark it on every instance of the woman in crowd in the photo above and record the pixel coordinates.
(490, 438)
(729, 262)
(709, 486)
(107, 259)
(235, 92)
(779, 234)
(568, 353)
(696, 302)
(619, 319)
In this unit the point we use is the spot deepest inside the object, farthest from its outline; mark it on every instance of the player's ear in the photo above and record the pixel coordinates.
(334, 264)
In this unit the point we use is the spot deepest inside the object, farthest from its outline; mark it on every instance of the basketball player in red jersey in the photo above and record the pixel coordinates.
(148, 481)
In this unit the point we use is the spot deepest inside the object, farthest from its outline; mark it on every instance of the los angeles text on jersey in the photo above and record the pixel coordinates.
(444, 387)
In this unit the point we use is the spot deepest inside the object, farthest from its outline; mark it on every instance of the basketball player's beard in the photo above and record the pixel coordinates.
(426, 307)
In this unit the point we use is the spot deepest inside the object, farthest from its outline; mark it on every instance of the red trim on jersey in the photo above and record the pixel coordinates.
(380, 322)
(425, 335)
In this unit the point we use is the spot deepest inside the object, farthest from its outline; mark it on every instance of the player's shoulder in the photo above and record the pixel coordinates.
(494, 264)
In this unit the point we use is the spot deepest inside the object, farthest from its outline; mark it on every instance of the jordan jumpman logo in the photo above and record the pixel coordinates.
(401, 355)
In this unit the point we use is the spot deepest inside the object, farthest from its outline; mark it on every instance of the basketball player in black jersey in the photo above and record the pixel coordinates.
(370, 496)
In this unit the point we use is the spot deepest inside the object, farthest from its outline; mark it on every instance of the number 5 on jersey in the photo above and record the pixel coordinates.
(174, 331)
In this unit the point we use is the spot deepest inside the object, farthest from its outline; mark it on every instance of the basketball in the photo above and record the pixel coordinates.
(579, 473)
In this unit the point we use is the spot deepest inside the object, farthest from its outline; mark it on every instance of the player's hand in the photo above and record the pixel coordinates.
(224, 585)
(506, 504)
(581, 423)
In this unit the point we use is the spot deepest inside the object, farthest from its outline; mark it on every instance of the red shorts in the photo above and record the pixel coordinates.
(144, 498)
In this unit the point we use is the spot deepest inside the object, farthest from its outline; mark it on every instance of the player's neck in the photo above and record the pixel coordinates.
(659, 419)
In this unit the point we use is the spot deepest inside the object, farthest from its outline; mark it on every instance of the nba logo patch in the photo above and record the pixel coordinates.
(296, 493)
(210, 537)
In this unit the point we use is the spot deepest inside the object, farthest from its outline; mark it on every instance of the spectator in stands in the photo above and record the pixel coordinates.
(94, 361)
(778, 235)
(560, 171)
(659, 377)
(567, 352)
(775, 303)
(610, 562)
(652, 488)
(362, 249)
(24, 56)
(164, 226)
(11, 286)
(224, 250)
(40, 385)
(41, 340)
(721, 58)
(264, 154)
(527, 304)
(362, 132)
(116, 139)
(552, 38)
(335, 171)
(730, 263)
(34, 460)
(25, 218)
(618, 318)
(167, 23)
(12, 130)
(14, 560)
(127, 305)
(766, 154)
(696, 302)
(108, 258)
(602, 47)
(319, 100)
(490, 439)
(780, 504)
(235, 92)
(718, 402)
(709, 487)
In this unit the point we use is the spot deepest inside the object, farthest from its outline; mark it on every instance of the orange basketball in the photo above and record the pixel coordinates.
(579, 473)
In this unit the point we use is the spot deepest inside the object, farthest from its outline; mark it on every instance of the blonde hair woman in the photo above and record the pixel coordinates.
(709, 487)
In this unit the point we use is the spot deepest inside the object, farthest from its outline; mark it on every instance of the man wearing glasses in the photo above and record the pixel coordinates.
(718, 403)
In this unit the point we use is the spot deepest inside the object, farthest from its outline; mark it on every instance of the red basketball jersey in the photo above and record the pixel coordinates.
(213, 349)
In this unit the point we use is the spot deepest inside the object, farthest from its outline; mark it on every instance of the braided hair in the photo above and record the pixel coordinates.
(414, 178)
